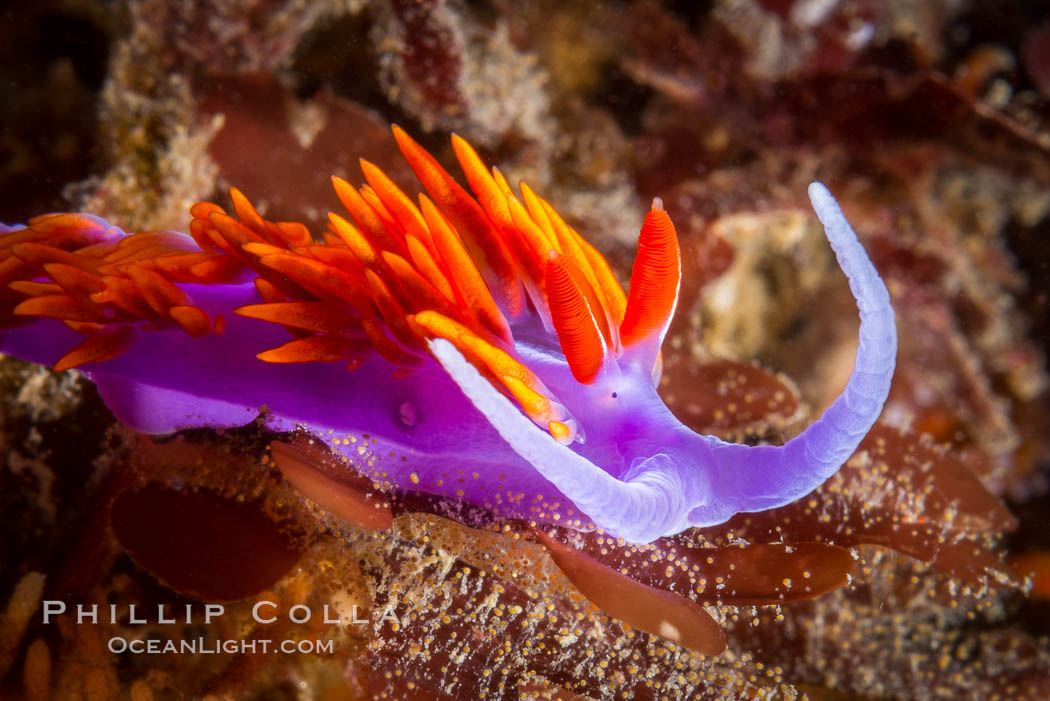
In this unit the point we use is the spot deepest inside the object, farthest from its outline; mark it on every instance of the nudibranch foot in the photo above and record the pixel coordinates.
(472, 347)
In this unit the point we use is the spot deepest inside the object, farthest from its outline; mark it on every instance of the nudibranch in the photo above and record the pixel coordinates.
(476, 348)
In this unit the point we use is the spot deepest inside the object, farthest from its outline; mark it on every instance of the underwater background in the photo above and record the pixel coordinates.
(920, 570)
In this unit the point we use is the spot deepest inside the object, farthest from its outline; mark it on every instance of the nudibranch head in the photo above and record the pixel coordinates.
(473, 347)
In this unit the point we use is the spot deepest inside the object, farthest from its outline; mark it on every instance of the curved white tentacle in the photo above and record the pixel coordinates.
(765, 477)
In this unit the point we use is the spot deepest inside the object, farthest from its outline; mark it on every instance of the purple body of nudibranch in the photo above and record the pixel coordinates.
(638, 473)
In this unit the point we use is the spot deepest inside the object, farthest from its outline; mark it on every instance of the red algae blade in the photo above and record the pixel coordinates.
(929, 507)
(725, 396)
(351, 501)
(172, 534)
(660, 613)
(758, 574)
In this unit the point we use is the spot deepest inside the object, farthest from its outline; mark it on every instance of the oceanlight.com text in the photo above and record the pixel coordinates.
(203, 646)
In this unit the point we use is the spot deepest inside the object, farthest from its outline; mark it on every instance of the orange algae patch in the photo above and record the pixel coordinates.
(351, 498)
(646, 608)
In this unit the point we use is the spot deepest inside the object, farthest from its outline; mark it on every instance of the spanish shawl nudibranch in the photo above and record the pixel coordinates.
(476, 349)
